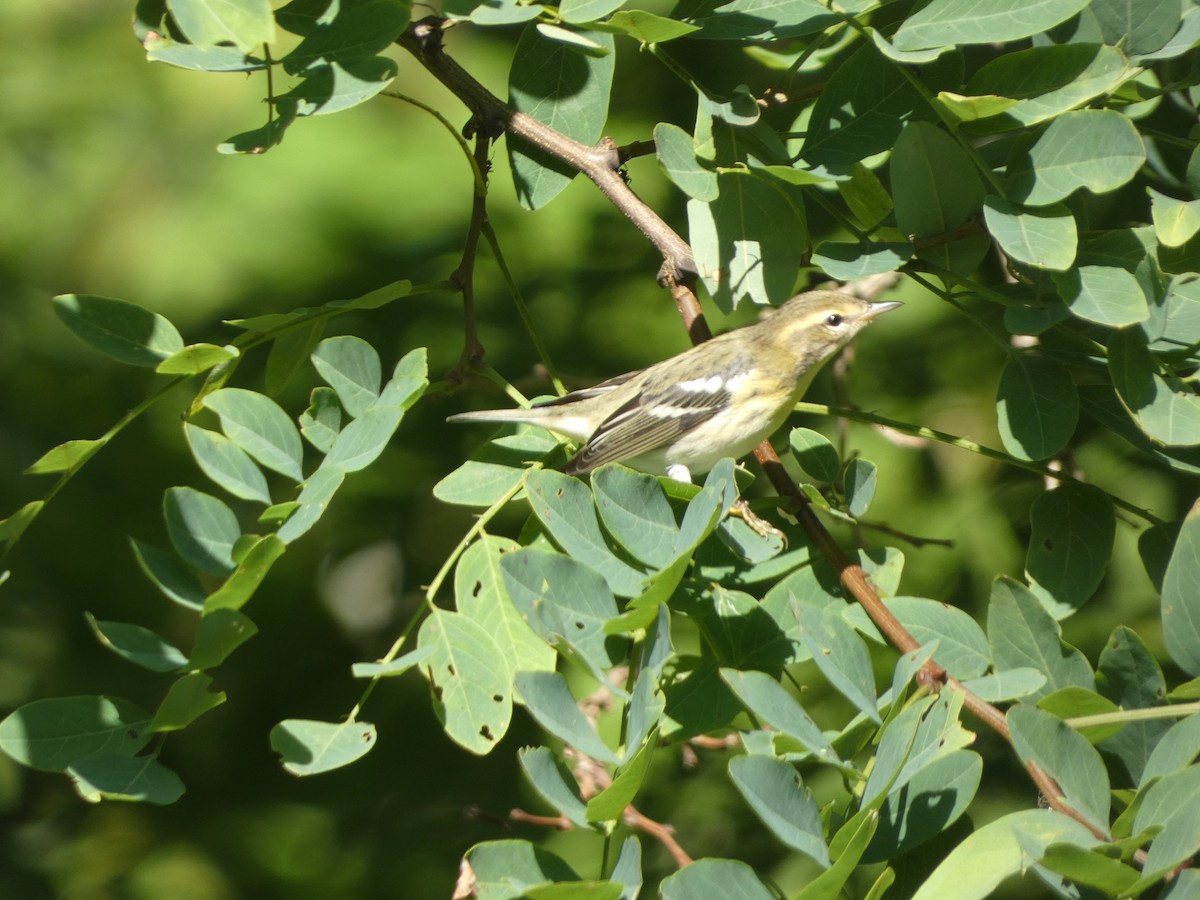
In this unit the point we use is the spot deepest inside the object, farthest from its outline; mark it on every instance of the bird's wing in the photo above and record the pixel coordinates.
(650, 421)
(596, 390)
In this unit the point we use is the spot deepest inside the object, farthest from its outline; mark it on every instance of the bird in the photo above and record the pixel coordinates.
(718, 399)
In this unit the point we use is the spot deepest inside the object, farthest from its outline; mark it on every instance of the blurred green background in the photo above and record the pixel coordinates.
(112, 186)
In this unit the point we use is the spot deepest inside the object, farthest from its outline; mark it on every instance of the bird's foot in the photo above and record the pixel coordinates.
(758, 525)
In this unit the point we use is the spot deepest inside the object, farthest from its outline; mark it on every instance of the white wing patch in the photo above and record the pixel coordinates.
(709, 385)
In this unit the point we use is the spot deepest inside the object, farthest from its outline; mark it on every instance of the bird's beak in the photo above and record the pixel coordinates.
(878, 309)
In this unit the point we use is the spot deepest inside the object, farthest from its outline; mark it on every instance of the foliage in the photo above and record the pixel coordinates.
(1031, 169)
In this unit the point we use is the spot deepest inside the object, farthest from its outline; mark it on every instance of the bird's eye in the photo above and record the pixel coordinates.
(833, 320)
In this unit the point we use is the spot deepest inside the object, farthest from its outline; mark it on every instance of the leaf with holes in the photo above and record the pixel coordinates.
(308, 747)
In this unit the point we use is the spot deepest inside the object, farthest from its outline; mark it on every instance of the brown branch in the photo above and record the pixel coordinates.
(464, 274)
(601, 164)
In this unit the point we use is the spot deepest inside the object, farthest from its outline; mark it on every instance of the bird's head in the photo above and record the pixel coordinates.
(816, 325)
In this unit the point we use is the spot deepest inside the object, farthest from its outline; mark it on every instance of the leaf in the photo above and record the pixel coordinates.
(565, 90)
(356, 31)
(1179, 747)
(227, 464)
(610, 804)
(848, 261)
(635, 511)
(139, 645)
(549, 701)
(139, 778)
(495, 469)
(1044, 238)
(815, 454)
(1175, 221)
(499, 865)
(1012, 684)
(770, 701)
(647, 27)
(995, 851)
(289, 351)
(52, 734)
(774, 791)
(186, 701)
(168, 573)
(936, 189)
(712, 877)
(554, 783)
(1023, 635)
(321, 422)
(749, 241)
(841, 656)
(396, 667)
(1066, 756)
(314, 499)
(472, 698)
(66, 457)
(351, 367)
(677, 154)
(480, 594)
(962, 646)
(14, 526)
(1181, 597)
(1037, 406)
(308, 747)
(846, 848)
(581, 11)
(1103, 294)
(738, 19)
(119, 329)
(916, 738)
(259, 426)
(860, 480)
(196, 358)
(203, 530)
(219, 633)
(252, 567)
(1097, 149)
(1166, 409)
(1137, 26)
(1173, 804)
(340, 85)
(1071, 542)
(243, 23)
(563, 505)
(948, 22)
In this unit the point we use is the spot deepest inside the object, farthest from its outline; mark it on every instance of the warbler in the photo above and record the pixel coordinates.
(721, 398)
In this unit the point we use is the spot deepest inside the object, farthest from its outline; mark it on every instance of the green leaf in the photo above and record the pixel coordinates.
(643, 713)
(1129, 675)
(1097, 149)
(946, 22)
(920, 735)
(168, 573)
(119, 329)
(491, 12)
(647, 27)
(1181, 597)
(1071, 542)
(628, 870)
(998, 850)
(846, 848)
(203, 530)
(1175, 221)
(355, 32)
(499, 865)
(936, 189)
(712, 877)
(351, 367)
(1044, 238)
(965, 108)
(138, 778)
(340, 85)
(610, 804)
(1066, 756)
(564, 89)
(66, 457)
(196, 358)
(1037, 406)
(1179, 747)
(289, 351)
(549, 701)
(52, 734)
(563, 505)
(841, 656)
(1048, 80)
(1023, 635)
(186, 701)
(738, 19)
(392, 669)
(183, 55)
(321, 422)
(677, 154)
(362, 441)
(815, 454)
(770, 701)
(472, 696)
(480, 594)
(962, 646)
(227, 464)
(139, 645)
(243, 23)
(554, 782)
(494, 469)
(750, 241)
(847, 261)
(1012, 684)
(258, 425)
(252, 568)
(219, 633)
(1103, 294)
(932, 800)
(859, 480)
(635, 511)
(1165, 408)
(775, 792)
(14, 526)
(1137, 26)
(580, 11)
(308, 747)
(1173, 804)
(1090, 867)
(314, 499)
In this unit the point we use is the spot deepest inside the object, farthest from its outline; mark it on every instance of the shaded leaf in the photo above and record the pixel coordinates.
(52, 734)
(119, 329)
(308, 747)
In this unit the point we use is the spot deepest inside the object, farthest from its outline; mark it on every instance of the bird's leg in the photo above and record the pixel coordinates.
(759, 525)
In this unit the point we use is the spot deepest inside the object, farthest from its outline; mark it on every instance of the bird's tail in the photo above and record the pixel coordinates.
(526, 416)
